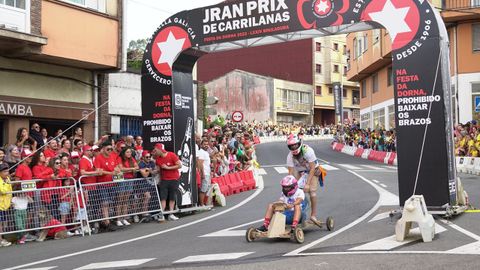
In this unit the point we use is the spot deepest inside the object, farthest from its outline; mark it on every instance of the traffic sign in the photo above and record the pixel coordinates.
(237, 116)
(477, 104)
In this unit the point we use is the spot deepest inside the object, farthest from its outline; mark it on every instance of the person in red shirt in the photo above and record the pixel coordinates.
(169, 164)
(51, 150)
(128, 166)
(23, 171)
(87, 171)
(104, 194)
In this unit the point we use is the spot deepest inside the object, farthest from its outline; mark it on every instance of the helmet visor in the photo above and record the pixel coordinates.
(287, 190)
(294, 147)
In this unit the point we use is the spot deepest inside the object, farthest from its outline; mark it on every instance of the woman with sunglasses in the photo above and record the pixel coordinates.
(146, 169)
(128, 166)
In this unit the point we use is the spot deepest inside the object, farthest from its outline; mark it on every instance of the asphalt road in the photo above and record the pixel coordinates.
(358, 193)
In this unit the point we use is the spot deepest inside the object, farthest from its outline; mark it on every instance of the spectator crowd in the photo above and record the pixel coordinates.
(467, 139)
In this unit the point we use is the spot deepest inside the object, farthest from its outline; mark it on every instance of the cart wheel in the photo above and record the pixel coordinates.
(298, 235)
(330, 223)
(250, 235)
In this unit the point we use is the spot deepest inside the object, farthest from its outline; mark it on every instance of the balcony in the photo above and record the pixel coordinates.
(460, 10)
(18, 44)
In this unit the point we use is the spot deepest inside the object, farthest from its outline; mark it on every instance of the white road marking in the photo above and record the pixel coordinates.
(473, 249)
(114, 264)
(230, 231)
(460, 229)
(380, 216)
(371, 167)
(322, 160)
(281, 170)
(383, 185)
(385, 198)
(213, 257)
(260, 171)
(251, 197)
(41, 268)
(328, 167)
(350, 167)
(390, 242)
(271, 166)
(376, 181)
(390, 167)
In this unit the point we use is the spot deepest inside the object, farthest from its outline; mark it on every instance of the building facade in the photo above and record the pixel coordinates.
(52, 57)
(261, 98)
(371, 60)
(330, 67)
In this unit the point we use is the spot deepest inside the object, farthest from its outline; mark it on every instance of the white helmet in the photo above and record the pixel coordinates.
(294, 143)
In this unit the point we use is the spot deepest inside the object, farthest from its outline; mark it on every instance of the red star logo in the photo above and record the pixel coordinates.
(322, 7)
(166, 46)
(401, 18)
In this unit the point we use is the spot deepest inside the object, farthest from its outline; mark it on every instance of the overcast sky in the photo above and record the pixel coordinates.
(144, 16)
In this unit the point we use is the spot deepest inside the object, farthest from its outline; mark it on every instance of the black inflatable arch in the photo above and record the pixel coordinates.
(420, 69)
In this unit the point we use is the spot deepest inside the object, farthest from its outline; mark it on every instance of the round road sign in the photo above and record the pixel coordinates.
(237, 116)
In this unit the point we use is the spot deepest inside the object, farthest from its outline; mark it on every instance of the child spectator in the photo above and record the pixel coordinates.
(20, 205)
(5, 200)
(128, 166)
(65, 197)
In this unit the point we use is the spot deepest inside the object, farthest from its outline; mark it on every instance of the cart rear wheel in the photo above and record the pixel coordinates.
(250, 235)
(330, 223)
(298, 235)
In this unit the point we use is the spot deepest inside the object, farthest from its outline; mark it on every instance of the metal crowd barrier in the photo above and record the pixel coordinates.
(120, 198)
(43, 209)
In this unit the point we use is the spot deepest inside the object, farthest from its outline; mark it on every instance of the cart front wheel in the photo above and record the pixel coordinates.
(330, 223)
(298, 235)
(250, 235)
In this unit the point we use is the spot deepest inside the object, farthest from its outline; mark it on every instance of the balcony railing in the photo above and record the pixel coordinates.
(460, 4)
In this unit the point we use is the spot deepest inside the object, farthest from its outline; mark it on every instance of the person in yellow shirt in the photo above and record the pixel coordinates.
(5, 199)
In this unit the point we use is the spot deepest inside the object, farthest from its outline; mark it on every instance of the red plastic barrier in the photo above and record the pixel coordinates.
(359, 152)
(381, 156)
(338, 147)
(248, 180)
(372, 155)
(393, 155)
(234, 184)
(224, 188)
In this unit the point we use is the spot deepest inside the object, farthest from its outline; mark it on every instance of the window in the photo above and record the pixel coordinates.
(355, 98)
(14, 3)
(391, 116)
(345, 92)
(360, 46)
(345, 49)
(318, 46)
(305, 98)
(476, 37)
(355, 52)
(345, 69)
(330, 91)
(379, 118)
(365, 43)
(364, 89)
(335, 68)
(318, 90)
(365, 120)
(375, 83)
(318, 68)
(98, 5)
(389, 76)
(335, 47)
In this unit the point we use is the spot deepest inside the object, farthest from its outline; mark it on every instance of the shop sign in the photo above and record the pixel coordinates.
(15, 109)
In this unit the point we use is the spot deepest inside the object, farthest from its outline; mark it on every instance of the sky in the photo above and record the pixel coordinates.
(144, 16)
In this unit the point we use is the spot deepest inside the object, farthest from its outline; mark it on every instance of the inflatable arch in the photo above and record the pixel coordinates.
(420, 68)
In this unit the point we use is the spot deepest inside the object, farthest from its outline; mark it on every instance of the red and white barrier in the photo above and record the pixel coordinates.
(389, 158)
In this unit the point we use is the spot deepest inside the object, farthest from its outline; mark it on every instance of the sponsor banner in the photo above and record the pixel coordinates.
(338, 98)
(424, 156)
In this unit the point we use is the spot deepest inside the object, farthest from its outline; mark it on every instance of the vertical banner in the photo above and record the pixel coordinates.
(338, 98)
(420, 67)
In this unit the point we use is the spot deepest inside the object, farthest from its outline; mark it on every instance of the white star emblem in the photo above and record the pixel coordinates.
(322, 6)
(393, 19)
(170, 49)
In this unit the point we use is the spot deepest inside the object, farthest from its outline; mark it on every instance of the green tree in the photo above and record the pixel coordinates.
(135, 54)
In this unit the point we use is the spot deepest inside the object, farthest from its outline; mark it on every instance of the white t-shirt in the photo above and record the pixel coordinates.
(290, 200)
(20, 203)
(301, 164)
(203, 155)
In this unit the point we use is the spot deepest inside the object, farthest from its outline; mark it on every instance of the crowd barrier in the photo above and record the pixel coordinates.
(266, 139)
(234, 183)
(389, 158)
(469, 165)
(120, 199)
(48, 209)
